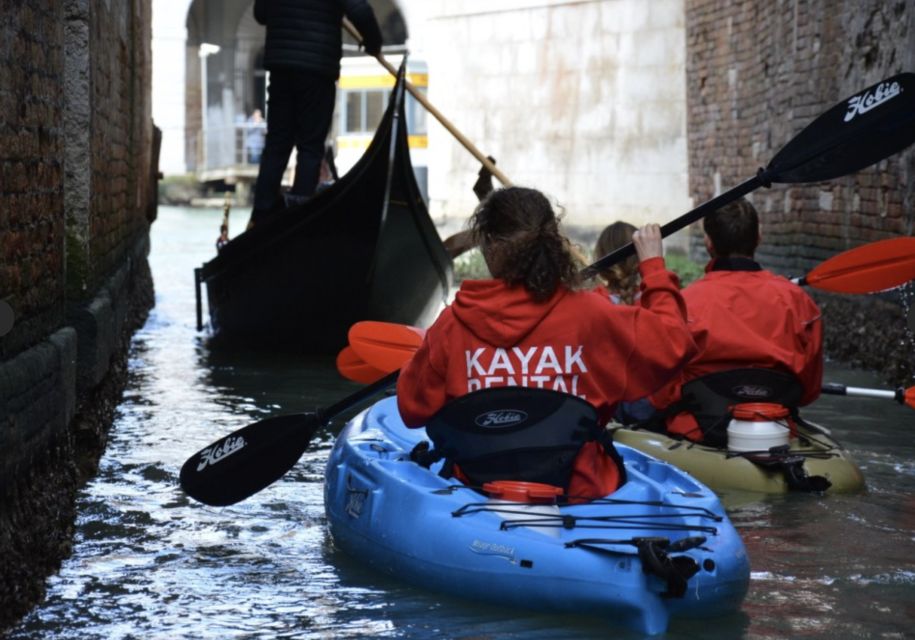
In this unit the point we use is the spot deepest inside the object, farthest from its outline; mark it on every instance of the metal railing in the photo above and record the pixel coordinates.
(225, 151)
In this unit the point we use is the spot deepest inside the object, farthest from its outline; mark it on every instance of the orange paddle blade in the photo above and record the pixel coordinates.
(354, 368)
(867, 269)
(908, 397)
(387, 346)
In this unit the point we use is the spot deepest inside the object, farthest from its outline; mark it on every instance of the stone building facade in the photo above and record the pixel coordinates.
(583, 99)
(758, 72)
(78, 172)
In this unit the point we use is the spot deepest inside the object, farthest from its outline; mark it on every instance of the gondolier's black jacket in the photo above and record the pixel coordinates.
(306, 34)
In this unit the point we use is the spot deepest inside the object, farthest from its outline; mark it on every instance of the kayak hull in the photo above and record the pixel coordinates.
(823, 456)
(400, 518)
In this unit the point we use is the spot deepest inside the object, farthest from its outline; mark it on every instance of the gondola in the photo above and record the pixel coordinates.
(364, 248)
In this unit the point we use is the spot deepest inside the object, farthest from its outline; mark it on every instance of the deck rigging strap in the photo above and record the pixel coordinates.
(641, 521)
(654, 554)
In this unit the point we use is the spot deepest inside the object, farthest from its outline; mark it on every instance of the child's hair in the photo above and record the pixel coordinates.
(521, 228)
(733, 229)
(622, 278)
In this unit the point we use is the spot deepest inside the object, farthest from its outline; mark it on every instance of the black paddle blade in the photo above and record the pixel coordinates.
(247, 460)
(866, 128)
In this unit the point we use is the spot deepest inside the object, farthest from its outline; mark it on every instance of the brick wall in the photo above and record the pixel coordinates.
(75, 138)
(77, 194)
(119, 136)
(757, 73)
(31, 169)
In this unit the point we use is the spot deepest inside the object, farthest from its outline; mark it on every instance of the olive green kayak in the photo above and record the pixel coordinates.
(813, 461)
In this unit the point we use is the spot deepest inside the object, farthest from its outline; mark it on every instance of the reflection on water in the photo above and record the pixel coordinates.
(150, 563)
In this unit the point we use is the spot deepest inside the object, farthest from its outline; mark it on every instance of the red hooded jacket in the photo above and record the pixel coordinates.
(744, 316)
(577, 342)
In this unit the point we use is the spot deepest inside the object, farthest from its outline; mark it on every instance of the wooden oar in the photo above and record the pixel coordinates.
(416, 93)
(900, 395)
(842, 140)
(873, 267)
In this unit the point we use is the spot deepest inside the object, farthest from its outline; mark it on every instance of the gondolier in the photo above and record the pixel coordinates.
(302, 54)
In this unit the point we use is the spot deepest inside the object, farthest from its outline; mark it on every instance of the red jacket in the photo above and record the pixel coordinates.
(577, 342)
(748, 318)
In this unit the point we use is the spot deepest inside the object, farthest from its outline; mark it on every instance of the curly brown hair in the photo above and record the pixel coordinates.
(623, 278)
(520, 237)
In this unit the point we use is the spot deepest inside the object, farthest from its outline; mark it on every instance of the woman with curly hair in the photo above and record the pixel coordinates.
(620, 281)
(532, 325)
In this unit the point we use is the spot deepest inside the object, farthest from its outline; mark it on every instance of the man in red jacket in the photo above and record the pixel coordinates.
(742, 317)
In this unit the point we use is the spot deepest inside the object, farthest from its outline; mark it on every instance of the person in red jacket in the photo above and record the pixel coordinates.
(619, 282)
(530, 326)
(742, 316)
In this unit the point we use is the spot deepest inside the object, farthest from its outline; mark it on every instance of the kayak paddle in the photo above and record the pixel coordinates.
(385, 345)
(872, 267)
(866, 128)
(249, 459)
(900, 395)
(352, 367)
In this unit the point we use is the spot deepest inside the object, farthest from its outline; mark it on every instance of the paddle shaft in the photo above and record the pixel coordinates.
(627, 250)
(354, 399)
(416, 93)
(836, 389)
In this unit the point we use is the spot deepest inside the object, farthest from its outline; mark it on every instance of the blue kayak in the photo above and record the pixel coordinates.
(660, 546)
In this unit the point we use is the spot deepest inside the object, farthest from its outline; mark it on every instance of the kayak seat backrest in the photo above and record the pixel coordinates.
(710, 397)
(516, 433)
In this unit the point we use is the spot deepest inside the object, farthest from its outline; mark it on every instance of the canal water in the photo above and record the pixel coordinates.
(150, 563)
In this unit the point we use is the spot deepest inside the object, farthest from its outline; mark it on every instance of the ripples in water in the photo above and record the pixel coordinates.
(150, 563)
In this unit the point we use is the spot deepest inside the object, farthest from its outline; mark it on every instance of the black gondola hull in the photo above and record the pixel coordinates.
(365, 248)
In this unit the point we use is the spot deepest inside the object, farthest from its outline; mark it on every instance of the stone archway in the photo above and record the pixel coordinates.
(234, 75)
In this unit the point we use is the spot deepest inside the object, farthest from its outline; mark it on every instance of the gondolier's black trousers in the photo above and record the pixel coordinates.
(299, 113)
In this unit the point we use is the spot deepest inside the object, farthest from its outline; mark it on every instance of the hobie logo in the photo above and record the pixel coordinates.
(227, 447)
(869, 100)
(502, 418)
(752, 391)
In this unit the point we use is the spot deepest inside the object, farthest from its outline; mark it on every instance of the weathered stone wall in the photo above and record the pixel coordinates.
(31, 169)
(757, 73)
(77, 186)
(584, 99)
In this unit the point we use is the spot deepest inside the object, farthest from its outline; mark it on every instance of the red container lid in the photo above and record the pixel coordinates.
(759, 411)
(518, 491)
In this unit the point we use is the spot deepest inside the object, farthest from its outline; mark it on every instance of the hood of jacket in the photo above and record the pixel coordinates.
(498, 314)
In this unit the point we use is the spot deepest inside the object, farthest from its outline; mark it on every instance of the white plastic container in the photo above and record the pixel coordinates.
(758, 426)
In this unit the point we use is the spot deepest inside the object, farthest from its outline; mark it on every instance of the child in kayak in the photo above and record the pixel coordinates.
(621, 285)
(620, 281)
(532, 326)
